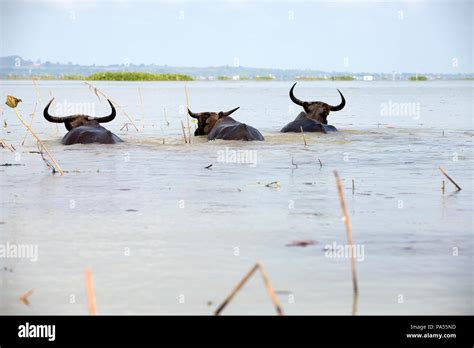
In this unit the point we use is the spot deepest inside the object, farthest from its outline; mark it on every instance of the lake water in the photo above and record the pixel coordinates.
(164, 235)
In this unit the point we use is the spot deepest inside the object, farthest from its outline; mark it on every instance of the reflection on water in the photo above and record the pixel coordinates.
(157, 227)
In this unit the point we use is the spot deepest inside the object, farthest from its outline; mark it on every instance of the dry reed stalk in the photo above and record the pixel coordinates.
(91, 304)
(187, 114)
(142, 111)
(4, 145)
(48, 164)
(458, 188)
(184, 132)
(268, 285)
(443, 187)
(165, 118)
(236, 289)
(39, 141)
(293, 162)
(24, 297)
(304, 138)
(31, 122)
(353, 186)
(349, 240)
(38, 95)
(98, 91)
(270, 290)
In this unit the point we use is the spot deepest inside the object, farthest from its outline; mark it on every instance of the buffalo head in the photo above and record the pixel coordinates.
(74, 121)
(317, 110)
(207, 120)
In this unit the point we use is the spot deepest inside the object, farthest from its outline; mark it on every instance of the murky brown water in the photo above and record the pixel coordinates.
(164, 235)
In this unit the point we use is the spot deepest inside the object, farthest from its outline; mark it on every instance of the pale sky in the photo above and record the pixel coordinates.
(355, 36)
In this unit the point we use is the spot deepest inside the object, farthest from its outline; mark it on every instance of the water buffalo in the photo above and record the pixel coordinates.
(314, 117)
(218, 125)
(84, 129)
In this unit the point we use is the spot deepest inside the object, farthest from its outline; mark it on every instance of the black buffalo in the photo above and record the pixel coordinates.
(83, 129)
(314, 118)
(218, 125)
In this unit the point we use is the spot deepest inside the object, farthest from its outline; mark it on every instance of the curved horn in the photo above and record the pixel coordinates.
(107, 118)
(54, 119)
(294, 99)
(193, 115)
(340, 106)
(225, 114)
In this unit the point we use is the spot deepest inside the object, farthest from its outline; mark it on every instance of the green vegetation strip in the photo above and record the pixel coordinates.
(418, 78)
(137, 76)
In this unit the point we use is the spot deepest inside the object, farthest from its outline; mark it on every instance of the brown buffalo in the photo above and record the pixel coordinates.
(85, 129)
(315, 115)
(218, 125)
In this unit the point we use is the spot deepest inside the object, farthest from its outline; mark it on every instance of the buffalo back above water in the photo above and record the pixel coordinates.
(308, 125)
(83, 129)
(218, 125)
(229, 129)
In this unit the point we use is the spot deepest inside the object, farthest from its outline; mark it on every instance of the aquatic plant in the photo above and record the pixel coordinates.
(137, 76)
(418, 78)
(264, 78)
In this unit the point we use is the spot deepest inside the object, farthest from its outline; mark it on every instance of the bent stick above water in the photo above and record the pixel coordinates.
(349, 241)
(449, 178)
(39, 140)
(96, 90)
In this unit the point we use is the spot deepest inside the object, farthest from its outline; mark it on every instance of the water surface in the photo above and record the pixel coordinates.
(165, 235)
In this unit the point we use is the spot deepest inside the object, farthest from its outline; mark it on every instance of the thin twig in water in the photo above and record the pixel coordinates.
(273, 184)
(442, 187)
(268, 286)
(458, 188)
(270, 290)
(38, 95)
(184, 132)
(209, 166)
(349, 241)
(304, 138)
(48, 164)
(90, 292)
(125, 125)
(293, 162)
(4, 145)
(187, 114)
(37, 138)
(320, 163)
(31, 122)
(165, 117)
(98, 92)
(353, 186)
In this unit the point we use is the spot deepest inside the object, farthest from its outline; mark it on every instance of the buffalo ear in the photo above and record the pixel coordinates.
(220, 115)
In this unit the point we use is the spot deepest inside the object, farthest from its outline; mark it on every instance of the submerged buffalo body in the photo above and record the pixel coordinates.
(314, 117)
(90, 133)
(83, 129)
(308, 125)
(218, 125)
